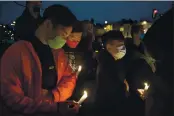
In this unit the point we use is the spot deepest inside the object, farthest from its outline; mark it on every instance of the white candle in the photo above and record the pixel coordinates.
(82, 99)
(78, 71)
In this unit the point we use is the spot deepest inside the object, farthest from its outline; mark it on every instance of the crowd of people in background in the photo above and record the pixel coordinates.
(38, 72)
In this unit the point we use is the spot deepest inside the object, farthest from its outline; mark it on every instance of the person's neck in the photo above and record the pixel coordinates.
(40, 35)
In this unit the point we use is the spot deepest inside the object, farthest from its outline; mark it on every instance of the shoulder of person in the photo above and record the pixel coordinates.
(20, 19)
(141, 65)
(17, 48)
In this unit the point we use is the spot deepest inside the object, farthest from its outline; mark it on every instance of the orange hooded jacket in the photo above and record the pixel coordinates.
(21, 80)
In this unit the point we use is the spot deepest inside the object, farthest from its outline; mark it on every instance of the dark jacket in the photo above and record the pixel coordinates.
(159, 42)
(139, 71)
(110, 94)
(26, 25)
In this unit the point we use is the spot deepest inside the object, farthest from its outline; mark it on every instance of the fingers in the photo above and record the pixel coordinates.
(73, 104)
(140, 91)
(143, 93)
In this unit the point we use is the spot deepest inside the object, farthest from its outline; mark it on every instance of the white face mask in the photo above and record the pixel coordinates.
(121, 52)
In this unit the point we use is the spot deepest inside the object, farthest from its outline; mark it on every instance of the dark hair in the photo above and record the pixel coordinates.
(78, 27)
(112, 35)
(59, 14)
(27, 2)
(135, 29)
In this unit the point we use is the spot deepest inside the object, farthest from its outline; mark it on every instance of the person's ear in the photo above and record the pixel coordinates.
(108, 47)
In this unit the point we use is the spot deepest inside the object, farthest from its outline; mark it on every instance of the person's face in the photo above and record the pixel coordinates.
(59, 30)
(112, 46)
(75, 36)
(32, 6)
(73, 39)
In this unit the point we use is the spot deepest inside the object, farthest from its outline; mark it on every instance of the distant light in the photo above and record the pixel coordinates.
(121, 29)
(0, 25)
(144, 23)
(14, 22)
(9, 31)
(105, 28)
(145, 30)
(96, 51)
(155, 11)
(5, 31)
(106, 22)
(4, 26)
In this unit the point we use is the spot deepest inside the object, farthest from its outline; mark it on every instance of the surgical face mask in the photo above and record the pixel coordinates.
(121, 52)
(57, 42)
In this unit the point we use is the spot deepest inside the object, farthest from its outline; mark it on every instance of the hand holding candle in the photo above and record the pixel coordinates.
(143, 92)
(82, 99)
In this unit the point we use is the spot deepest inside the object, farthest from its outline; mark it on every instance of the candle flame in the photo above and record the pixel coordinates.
(146, 86)
(80, 68)
(85, 94)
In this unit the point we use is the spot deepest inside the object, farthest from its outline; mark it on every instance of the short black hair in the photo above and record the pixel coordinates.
(78, 27)
(135, 29)
(112, 35)
(59, 14)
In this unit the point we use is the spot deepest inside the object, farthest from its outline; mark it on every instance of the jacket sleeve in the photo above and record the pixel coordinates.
(67, 84)
(141, 72)
(11, 82)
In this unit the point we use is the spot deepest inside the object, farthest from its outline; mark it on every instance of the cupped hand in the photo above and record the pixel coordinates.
(69, 108)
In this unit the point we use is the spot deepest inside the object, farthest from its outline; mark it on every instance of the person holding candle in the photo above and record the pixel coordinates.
(111, 85)
(141, 74)
(35, 76)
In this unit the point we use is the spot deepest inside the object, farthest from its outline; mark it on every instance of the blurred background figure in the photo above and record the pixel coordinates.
(28, 22)
(85, 46)
(135, 43)
(137, 34)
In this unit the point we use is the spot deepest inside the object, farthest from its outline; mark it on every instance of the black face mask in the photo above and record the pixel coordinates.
(36, 9)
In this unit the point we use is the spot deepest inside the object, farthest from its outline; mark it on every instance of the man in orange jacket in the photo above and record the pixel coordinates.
(35, 76)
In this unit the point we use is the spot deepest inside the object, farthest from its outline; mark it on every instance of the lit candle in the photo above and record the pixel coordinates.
(82, 99)
(146, 86)
(78, 71)
(143, 92)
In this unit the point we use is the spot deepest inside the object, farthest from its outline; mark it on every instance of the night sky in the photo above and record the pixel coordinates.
(100, 11)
